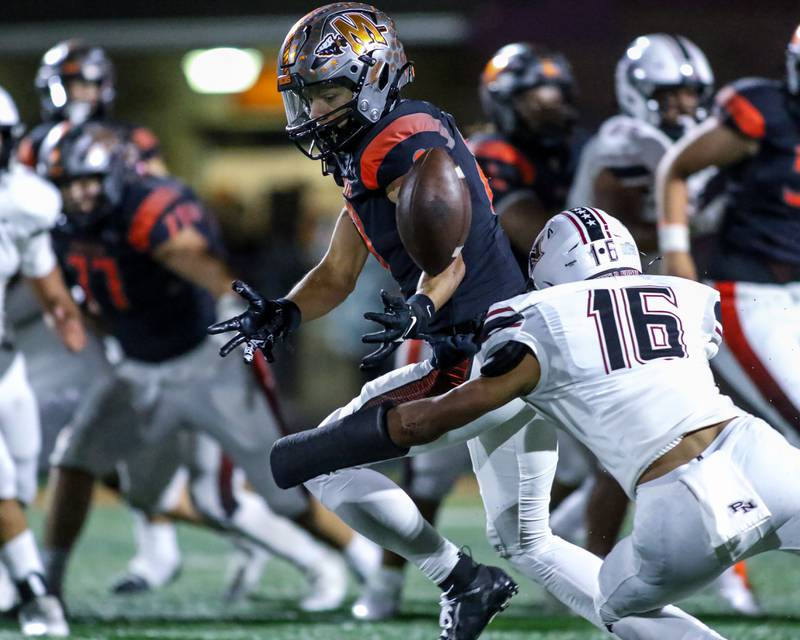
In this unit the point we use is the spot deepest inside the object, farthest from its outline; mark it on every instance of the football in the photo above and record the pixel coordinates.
(434, 211)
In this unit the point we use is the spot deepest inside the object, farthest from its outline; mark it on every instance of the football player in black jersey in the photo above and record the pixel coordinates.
(76, 83)
(147, 258)
(528, 93)
(755, 134)
(341, 70)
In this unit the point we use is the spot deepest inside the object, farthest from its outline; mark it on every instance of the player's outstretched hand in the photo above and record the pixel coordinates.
(262, 323)
(401, 320)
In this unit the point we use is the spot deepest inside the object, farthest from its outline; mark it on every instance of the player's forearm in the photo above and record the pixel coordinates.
(202, 269)
(319, 292)
(51, 292)
(440, 288)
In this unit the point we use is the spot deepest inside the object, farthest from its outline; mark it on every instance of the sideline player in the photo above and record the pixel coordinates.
(341, 68)
(146, 256)
(583, 348)
(29, 207)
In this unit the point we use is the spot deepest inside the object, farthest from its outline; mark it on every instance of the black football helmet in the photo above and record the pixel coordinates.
(513, 70)
(93, 149)
(74, 59)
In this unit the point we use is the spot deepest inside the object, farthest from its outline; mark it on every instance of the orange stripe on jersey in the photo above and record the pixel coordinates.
(147, 215)
(744, 113)
(509, 154)
(360, 228)
(401, 129)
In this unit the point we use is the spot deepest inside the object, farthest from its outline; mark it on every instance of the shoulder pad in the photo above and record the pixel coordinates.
(36, 202)
(505, 359)
(627, 142)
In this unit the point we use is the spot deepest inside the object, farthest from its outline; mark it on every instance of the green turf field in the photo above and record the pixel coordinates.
(191, 607)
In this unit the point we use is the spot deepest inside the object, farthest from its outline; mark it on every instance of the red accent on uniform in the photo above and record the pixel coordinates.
(507, 153)
(577, 226)
(496, 311)
(360, 228)
(401, 129)
(792, 198)
(744, 113)
(147, 215)
(266, 382)
(413, 352)
(747, 358)
(225, 486)
(435, 383)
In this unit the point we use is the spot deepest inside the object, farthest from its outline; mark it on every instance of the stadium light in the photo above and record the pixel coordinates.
(221, 70)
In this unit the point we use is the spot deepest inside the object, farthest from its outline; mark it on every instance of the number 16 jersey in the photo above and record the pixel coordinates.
(624, 363)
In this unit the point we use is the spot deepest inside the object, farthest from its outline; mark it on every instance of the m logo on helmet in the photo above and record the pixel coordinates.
(359, 31)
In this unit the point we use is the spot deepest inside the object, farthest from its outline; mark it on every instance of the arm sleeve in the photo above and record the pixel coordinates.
(38, 258)
(390, 154)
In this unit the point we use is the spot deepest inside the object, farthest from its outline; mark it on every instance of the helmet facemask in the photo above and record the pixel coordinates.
(351, 45)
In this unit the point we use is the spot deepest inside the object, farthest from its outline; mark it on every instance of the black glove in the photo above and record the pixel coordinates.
(448, 351)
(401, 320)
(260, 325)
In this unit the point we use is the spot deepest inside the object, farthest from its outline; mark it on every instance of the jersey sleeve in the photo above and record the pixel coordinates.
(505, 166)
(390, 154)
(749, 107)
(712, 322)
(164, 212)
(505, 324)
(37, 256)
(630, 150)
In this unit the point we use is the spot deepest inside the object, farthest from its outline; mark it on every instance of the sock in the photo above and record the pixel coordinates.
(363, 555)
(157, 553)
(55, 565)
(386, 580)
(21, 556)
(373, 505)
(278, 535)
(462, 574)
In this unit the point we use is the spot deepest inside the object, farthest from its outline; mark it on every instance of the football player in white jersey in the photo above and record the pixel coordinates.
(663, 85)
(28, 208)
(584, 349)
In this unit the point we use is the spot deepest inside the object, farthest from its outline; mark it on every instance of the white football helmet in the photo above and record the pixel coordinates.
(10, 127)
(582, 243)
(660, 61)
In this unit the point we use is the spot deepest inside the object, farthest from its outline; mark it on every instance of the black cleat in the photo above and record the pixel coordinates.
(466, 614)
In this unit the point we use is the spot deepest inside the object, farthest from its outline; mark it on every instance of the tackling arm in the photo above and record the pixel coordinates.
(382, 432)
(712, 143)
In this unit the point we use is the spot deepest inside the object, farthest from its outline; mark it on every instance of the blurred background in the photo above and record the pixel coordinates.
(220, 122)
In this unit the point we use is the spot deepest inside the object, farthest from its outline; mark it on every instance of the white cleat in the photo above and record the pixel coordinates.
(380, 598)
(43, 616)
(245, 569)
(328, 586)
(736, 591)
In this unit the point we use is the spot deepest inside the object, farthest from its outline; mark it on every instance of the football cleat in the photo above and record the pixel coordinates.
(380, 598)
(328, 586)
(245, 569)
(734, 587)
(134, 583)
(466, 614)
(43, 616)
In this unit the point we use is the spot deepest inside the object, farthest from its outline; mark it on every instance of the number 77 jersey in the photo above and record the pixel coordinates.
(624, 363)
